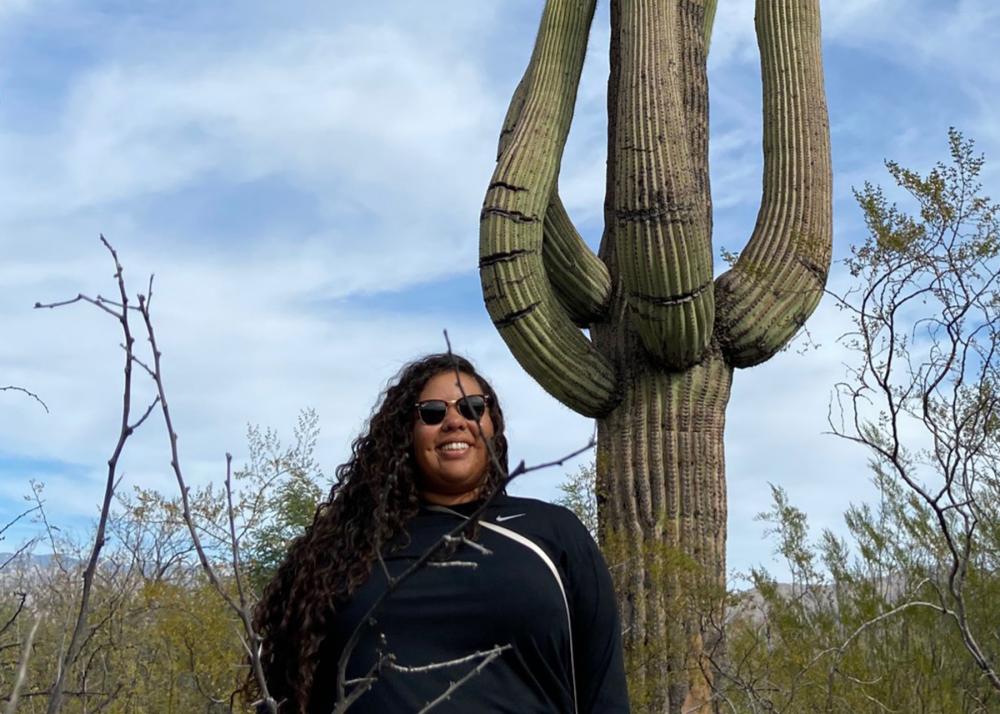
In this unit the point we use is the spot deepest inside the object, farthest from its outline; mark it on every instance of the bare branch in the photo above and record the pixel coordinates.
(392, 664)
(76, 641)
(459, 682)
(17, 612)
(15, 519)
(452, 564)
(13, 388)
(462, 540)
(241, 608)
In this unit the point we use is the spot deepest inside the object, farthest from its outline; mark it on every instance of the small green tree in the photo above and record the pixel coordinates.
(862, 632)
(923, 395)
(160, 638)
(579, 494)
(291, 486)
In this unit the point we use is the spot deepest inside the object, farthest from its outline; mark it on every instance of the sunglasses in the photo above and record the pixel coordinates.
(433, 411)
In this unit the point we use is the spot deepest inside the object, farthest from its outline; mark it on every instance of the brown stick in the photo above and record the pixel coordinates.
(240, 608)
(73, 650)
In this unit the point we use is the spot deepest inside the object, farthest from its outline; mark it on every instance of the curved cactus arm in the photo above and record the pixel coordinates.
(660, 203)
(580, 279)
(517, 292)
(779, 277)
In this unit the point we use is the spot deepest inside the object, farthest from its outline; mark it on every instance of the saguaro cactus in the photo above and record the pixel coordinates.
(664, 335)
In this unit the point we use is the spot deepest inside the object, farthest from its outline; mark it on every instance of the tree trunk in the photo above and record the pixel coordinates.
(666, 333)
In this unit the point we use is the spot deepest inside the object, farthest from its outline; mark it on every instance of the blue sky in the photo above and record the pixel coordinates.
(305, 178)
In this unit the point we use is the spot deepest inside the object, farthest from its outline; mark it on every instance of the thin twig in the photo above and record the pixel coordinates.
(462, 540)
(17, 612)
(458, 683)
(240, 608)
(233, 540)
(79, 298)
(392, 664)
(145, 415)
(14, 388)
(453, 564)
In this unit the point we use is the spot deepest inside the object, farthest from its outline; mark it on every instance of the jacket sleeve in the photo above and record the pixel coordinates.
(597, 641)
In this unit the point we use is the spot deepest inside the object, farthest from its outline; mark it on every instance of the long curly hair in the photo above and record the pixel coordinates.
(373, 498)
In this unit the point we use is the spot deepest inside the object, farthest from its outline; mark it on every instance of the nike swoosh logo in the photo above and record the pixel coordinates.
(501, 519)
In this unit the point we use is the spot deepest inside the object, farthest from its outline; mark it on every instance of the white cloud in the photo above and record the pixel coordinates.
(350, 117)
(733, 37)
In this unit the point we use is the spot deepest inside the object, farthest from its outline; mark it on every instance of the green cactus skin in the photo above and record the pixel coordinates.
(665, 335)
(581, 280)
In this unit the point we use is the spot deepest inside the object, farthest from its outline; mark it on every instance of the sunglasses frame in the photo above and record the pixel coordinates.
(454, 402)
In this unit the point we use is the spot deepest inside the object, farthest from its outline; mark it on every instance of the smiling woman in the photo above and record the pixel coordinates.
(522, 613)
(449, 438)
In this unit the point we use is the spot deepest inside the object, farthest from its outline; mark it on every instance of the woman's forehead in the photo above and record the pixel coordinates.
(445, 386)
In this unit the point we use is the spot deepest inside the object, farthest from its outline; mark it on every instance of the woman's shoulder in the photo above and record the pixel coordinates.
(532, 505)
(552, 527)
(543, 517)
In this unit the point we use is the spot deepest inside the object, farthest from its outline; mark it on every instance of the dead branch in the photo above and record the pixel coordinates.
(489, 657)
(73, 649)
(14, 388)
(241, 608)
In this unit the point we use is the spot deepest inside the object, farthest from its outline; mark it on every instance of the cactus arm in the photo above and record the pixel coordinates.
(518, 295)
(661, 208)
(580, 279)
(779, 276)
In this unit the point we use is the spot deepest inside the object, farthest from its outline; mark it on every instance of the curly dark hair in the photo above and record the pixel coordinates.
(337, 552)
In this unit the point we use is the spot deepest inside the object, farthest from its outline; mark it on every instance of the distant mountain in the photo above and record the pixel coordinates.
(40, 559)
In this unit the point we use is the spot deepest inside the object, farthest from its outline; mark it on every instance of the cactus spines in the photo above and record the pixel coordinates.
(666, 336)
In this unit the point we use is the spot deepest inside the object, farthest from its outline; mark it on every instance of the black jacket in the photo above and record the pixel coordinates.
(543, 589)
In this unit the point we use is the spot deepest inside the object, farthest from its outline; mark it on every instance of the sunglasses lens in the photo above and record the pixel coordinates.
(432, 412)
(472, 408)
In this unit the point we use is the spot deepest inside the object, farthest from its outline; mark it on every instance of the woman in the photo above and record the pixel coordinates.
(526, 598)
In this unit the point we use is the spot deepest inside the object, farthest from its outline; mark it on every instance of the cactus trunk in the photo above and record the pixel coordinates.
(662, 496)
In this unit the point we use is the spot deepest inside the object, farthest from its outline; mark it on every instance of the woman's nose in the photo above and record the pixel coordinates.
(453, 419)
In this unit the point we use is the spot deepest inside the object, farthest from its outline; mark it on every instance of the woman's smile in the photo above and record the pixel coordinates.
(455, 448)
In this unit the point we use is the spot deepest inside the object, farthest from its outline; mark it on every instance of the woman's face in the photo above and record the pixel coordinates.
(451, 456)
